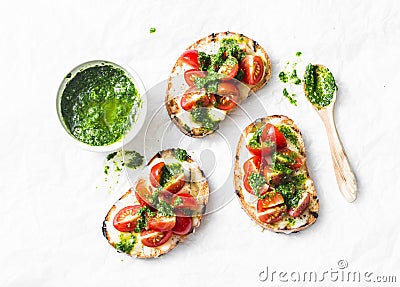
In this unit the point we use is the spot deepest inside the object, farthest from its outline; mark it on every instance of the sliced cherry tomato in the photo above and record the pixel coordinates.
(184, 204)
(191, 58)
(193, 73)
(254, 151)
(162, 223)
(271, 133)
(296, 158)
(273, 177)
(229, 68)
(253, 69)
(183, 225)
(270, 215)
(301, 206)
(152, 238)
(252, 165)
(193, 98)
(227, 96)
(142, 192)
(270, 201)
(174, 184)
(126, 219)
(155, 174)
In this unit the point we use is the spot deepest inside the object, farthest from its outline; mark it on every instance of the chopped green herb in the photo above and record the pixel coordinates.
(126, 243)
(298, 54)
(152, 30)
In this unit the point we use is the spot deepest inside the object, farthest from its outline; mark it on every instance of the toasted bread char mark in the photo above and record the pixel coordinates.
(201, 192)
(172, 99)
(311, 213)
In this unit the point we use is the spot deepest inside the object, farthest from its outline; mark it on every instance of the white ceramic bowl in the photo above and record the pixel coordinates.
(135, 127)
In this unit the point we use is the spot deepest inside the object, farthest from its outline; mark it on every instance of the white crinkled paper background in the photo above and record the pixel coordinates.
(51, 211)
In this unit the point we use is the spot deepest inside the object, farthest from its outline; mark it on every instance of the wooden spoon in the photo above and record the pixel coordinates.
(344, 175)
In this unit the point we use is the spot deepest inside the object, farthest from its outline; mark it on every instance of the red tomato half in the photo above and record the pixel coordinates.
(142, 192)
(227, 96)
(251, 165)
(193, 73)
(155, 174)
(162, 223)
(298, 161)
(193, 98)
(191, 58)
(253, 69)
(126, 219)
(182, 226)
(174, 184)
(272, 134)
(229, 68)
(184, 204)
(152, 238)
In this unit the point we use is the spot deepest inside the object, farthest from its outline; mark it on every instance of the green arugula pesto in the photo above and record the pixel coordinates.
(180, 154)
(291, 189)
(133, 159)
(210, 82)
(255, 142)
(320, 85)
(202, 116)
(145, 213)
(289, 134)
(165, 209)
(178, 201)
(126, 243)
(256, 181)
(98, 105)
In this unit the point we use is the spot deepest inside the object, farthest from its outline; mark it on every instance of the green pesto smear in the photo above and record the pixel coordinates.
(202, 116)
(320, 85)
(289, 135)
(126, 242)
(98, 105)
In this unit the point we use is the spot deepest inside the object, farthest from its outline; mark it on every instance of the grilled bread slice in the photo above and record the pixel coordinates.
(293, 219)
(177, 86)
(195, 184)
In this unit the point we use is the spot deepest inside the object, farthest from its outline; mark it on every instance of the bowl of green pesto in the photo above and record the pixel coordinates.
(101, 105)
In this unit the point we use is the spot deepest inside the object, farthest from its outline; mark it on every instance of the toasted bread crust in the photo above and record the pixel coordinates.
(313, 207)
(202, 193)
(171, 103)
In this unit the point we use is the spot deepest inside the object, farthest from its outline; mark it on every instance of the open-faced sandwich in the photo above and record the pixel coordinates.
(271, 176)
(211, 77)
(165, 206)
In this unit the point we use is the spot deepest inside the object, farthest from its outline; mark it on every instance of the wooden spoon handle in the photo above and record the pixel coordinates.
(344, 175)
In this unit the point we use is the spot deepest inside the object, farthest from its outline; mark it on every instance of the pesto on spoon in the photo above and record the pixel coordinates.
(320, 89)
